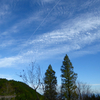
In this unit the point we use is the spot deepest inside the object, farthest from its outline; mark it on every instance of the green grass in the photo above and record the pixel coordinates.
(20, 89)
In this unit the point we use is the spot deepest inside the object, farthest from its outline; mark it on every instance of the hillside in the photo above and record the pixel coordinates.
(16, 90)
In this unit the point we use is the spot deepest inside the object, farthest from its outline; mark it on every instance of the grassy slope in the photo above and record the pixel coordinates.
(21, 90)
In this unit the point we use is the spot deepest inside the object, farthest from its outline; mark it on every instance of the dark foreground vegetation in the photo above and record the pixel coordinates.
(70, 89)
(13, 90)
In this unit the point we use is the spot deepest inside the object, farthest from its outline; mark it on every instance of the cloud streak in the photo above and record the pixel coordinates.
(73, 36)
(6, 76)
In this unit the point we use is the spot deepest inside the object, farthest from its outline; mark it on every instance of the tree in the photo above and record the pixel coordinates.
(50, 82)
(83, 90)
(68, 78)
(32, 77)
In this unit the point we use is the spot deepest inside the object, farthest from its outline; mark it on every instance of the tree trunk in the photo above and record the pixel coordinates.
(37, 95)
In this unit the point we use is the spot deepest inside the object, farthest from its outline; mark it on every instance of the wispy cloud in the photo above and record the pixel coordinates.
(77, 35)
(95, 84)
(7, 38)
(22, 24)
(6, 62)
(4, 12)
(73, 35)
(4, 9)
(6, 43)
(78, 31)
(6, 76)
(86, 51)
(48, 1)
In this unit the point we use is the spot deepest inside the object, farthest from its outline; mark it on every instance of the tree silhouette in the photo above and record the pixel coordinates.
(50, 82)
(68, 78)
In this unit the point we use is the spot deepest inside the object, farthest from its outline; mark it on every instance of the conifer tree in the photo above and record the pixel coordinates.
(68, 78)
(50, 82)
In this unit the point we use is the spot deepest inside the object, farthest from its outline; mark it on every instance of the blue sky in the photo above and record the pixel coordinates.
(45, 31)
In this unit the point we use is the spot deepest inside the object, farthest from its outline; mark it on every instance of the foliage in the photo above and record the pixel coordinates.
(19, 89)
(50, 82)
(68, 77)
(91, 97)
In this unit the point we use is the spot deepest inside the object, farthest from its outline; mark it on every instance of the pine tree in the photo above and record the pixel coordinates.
(68, 78)
(50, 82)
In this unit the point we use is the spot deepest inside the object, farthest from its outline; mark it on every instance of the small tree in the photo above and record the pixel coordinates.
(50, 82)
(68, 78)
(83, 90)
(32, 77)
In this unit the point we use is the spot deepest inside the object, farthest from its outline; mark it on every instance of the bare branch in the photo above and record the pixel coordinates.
(32, 76)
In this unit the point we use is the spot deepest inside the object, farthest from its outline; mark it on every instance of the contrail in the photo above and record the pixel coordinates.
(40, 24)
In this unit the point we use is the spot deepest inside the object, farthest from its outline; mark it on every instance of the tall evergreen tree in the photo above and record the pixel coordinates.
(50, 82)
(68, 78)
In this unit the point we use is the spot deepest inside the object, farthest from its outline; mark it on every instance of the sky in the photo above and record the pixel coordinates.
(44, 31)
